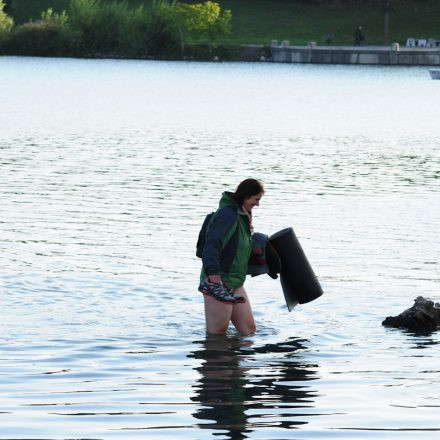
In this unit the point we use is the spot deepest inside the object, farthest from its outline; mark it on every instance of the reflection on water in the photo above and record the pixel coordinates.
(107, 169)
(239, 392)
(222, 389)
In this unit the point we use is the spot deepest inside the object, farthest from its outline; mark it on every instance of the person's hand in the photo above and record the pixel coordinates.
(217, 279)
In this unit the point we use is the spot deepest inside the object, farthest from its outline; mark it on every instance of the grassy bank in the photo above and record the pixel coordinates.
(259, 21)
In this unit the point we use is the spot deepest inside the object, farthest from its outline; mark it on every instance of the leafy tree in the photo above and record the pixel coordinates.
(207, 20)
(7, 7)
(199, 20)
(181, 13)
(6, 22)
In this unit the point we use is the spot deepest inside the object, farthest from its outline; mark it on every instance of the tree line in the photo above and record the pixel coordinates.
(102, 28)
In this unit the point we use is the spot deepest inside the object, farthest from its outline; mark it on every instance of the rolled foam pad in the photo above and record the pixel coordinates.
(298, 280)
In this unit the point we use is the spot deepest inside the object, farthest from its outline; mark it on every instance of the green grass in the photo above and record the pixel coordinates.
(260, 21)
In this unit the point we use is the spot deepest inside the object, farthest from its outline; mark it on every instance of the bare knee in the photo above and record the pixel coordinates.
(245, 324)
(247, 328)
(216, 329)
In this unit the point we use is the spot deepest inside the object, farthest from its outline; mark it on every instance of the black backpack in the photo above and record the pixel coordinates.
(202, 235)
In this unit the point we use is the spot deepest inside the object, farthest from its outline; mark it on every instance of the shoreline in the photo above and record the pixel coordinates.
(283, 52)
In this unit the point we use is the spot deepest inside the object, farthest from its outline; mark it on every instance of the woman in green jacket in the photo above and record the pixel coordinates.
(225, 260)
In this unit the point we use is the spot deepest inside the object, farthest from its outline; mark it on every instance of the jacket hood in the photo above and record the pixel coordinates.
(226, 200)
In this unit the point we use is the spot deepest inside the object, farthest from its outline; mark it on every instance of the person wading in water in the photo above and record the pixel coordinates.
(225, 260)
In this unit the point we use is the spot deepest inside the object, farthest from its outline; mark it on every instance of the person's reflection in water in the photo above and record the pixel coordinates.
(241, 389)
(221, 387)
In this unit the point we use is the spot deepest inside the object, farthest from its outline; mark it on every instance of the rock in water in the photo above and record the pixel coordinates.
(422, 317)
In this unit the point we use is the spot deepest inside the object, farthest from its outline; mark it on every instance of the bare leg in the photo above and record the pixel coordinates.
(217, 315)
(242, 316)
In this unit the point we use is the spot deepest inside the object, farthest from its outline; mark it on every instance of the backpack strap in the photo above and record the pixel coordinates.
(202, 234)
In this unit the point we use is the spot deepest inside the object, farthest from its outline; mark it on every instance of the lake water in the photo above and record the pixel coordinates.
(107, 169)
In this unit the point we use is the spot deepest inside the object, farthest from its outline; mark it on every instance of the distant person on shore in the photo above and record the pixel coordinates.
(225, 258)
(328, 39)
(358, 37)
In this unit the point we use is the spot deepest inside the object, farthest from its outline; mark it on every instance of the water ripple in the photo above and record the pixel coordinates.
(102, 329)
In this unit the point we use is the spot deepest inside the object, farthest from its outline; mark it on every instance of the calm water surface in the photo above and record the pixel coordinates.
(107, 169)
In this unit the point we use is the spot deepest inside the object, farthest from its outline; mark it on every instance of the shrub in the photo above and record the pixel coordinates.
(161, 35)
(51, 35)
(6, 22)
(112, 28)
(151, 32)
(101, 25)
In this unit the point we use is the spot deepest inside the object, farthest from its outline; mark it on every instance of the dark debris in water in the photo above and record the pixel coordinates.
(422, 318)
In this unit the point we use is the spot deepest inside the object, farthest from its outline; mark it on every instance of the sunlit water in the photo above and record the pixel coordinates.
(107, 170)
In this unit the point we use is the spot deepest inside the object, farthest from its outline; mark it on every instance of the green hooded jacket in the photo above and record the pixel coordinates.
(228, 244)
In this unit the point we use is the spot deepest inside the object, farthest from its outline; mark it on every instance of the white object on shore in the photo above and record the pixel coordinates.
(435, 73)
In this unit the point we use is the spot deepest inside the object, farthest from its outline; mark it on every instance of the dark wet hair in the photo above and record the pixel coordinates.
(246, 189)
